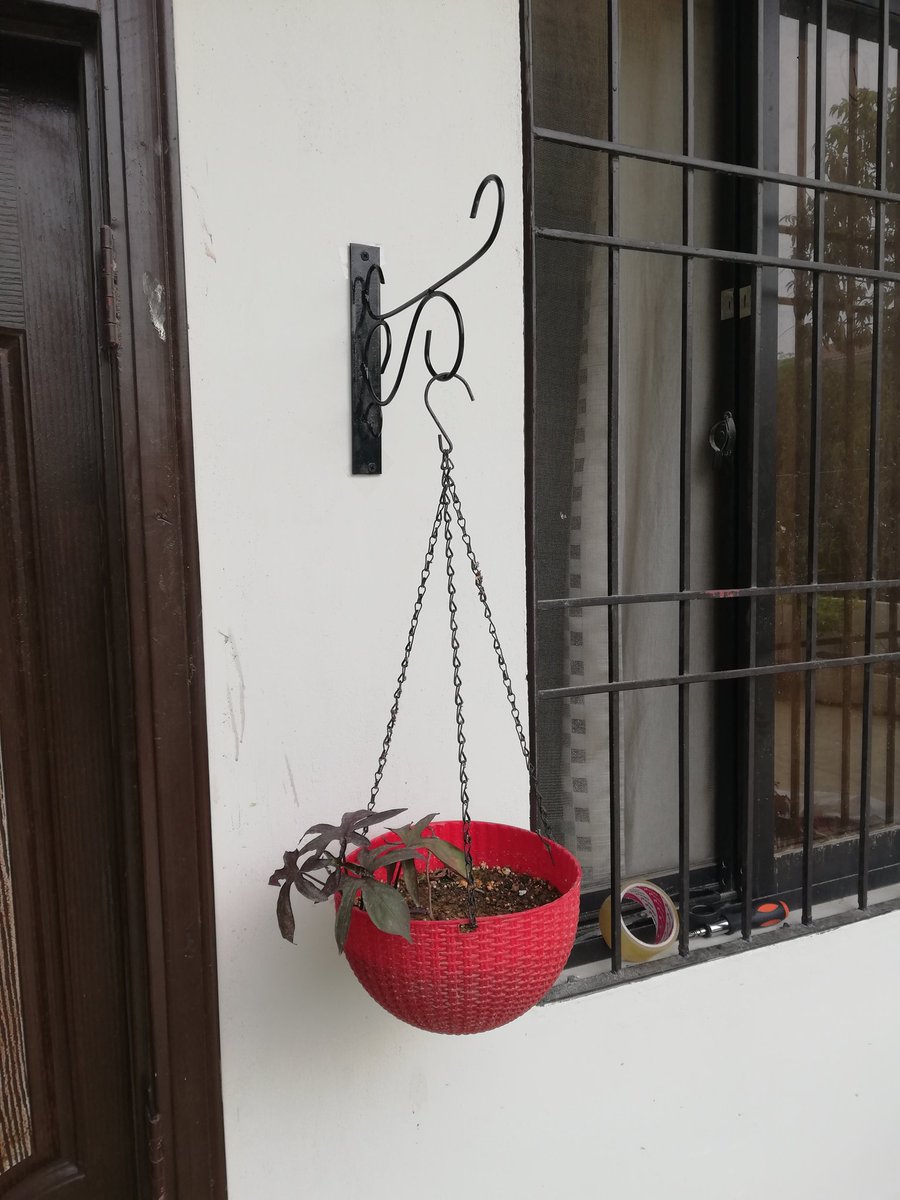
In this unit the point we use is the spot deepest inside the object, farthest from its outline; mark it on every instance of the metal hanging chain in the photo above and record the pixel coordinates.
(543, 819)
(446, 467)
(414, 624)
(449, 499)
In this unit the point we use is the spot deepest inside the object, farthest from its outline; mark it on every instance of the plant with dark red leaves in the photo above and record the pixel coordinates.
(319, 872)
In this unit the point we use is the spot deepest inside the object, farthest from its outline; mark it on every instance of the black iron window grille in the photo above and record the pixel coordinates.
(714, 445)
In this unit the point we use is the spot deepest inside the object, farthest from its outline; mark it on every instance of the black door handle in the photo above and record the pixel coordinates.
(722, 437)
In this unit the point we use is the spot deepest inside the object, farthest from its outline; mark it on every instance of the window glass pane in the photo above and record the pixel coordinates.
(886, 700)
(889, 442)
(571, 451)
(571, 458)
(792, 443)
(573, 776)
(790, 644)
(846, 403)
(569, 66)
(851, 92)
(650, 99)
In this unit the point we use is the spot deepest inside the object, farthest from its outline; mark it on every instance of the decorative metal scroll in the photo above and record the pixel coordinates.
(368, 326)
(15, 1108)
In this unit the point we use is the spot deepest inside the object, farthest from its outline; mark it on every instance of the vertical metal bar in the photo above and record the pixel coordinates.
(846, 685)
(796, 683)
(684, 611)
(890, 765)
(612, 484)
(893, 597)
(747, 823)
(527, 37)
(874, 446)
(850, 391)
(815, 449)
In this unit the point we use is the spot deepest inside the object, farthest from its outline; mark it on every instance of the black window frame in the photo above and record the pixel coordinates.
(746, 851)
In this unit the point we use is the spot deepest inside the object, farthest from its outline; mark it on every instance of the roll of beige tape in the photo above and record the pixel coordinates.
(658, 906)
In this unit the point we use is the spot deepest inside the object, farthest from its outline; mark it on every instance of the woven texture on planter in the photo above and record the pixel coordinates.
(448, 981)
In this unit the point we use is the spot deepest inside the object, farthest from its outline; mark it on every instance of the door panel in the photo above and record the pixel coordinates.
(15, 1107)
(65, 790)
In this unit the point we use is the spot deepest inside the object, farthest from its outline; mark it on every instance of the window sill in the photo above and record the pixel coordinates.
(595, 976)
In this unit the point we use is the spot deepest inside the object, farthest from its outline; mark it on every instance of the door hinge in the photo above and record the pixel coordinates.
(155, 1151)
(110, 288)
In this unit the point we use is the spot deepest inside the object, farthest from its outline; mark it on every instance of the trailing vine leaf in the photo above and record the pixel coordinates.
(361, 817)
(349, 889)
(285, 913)
(419, 827)
(413, 835)
(330, 886)
(347, 830)
(392, 855)
(411, 879)
(288, 870)
(324, 872)
(317, 845)
(287, 875)
(387, 908)
(451, 856)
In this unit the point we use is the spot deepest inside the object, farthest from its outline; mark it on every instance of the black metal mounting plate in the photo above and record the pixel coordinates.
(365, 416)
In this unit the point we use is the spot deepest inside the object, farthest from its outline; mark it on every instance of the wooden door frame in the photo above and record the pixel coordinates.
(172, 951)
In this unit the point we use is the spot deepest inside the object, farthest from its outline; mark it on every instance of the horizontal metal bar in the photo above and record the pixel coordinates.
(744, 593)
(729, 256)
(670, 159)
(637, 685)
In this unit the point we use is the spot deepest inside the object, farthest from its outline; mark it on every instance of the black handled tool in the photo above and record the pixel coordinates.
(709, 920)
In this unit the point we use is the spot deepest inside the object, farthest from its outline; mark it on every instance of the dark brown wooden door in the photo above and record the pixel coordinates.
(70, 1068)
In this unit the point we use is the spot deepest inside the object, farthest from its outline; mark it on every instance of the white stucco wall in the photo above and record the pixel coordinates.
(306, 124)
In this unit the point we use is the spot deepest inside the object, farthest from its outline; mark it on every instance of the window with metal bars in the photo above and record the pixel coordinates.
(714, 449)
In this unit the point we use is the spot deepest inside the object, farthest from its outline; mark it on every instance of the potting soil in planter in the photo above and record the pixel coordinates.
(498, 890)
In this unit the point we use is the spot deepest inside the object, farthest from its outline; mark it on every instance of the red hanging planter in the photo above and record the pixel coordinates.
(453, 981)
(454, 976)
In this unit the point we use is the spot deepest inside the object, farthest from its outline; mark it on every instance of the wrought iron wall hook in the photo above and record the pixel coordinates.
(367, 364)
(446, 444)
(381, 323)
(480, 253)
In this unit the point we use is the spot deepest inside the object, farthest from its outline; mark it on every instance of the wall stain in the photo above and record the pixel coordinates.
(208, 243)
(287, 763)
(235, 695)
